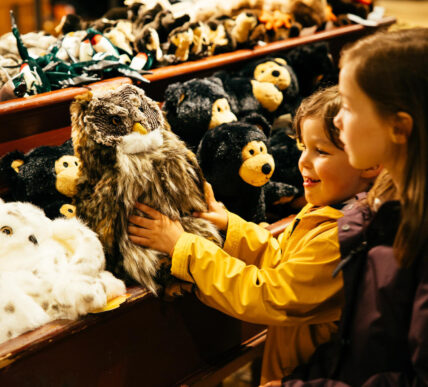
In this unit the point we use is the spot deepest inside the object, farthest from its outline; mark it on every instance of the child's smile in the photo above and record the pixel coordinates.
(308, 182)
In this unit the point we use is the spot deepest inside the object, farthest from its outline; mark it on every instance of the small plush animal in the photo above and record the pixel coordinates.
(48, 269)
(45, 176)
(127, 154)
(194, 106)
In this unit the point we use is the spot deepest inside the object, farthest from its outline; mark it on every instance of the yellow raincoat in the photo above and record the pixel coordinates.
(285, 283)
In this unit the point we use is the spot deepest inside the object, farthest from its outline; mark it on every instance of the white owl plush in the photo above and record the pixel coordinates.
(48, 270)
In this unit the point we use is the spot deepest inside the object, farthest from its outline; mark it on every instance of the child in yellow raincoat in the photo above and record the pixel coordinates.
(285, 283)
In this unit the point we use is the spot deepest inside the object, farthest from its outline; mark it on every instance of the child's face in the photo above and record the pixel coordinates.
(328, 177)
(363, 131)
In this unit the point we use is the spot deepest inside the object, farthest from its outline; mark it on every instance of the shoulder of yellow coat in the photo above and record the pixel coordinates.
(324, 212)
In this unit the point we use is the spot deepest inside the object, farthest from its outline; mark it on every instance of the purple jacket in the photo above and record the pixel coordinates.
(383, 335)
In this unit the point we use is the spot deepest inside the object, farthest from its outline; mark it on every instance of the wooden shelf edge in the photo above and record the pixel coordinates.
(57, 96)
(215, 373)
(35, 340)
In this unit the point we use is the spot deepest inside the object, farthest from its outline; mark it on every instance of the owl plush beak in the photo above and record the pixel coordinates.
(139, 128)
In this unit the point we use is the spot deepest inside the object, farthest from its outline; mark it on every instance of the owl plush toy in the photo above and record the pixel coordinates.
(127, 154)
(48, 269)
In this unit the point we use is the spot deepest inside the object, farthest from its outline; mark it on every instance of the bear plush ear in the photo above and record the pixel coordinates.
(260, 121)
(9, 168)
(280, 60)
(174, 95)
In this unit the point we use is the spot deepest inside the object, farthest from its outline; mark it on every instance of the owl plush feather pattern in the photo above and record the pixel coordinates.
(48, 269)
(127, 154)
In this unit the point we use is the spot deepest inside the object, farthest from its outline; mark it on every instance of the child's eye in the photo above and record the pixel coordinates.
(321, 152)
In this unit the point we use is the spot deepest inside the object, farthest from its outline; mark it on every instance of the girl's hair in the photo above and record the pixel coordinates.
(383, 190)
(392, 70)
(325, 105)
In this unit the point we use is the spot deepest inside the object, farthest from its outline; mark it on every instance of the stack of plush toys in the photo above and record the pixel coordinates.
(145, 34)
(239, 126)
(230, 129)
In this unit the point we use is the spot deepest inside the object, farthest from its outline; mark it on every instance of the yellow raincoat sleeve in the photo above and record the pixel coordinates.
(281, 291)
(250, 242)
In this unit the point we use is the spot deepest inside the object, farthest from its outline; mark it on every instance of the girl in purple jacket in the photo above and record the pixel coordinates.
(383, 336)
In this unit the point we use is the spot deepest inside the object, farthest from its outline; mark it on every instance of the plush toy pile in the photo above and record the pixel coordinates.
(145, 34)
(48, 270)
(258, 101)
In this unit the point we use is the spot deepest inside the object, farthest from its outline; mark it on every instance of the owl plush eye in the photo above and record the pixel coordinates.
(115, 120)
(6, 230)
(33, 239)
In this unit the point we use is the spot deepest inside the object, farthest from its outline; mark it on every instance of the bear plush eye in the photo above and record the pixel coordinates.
(6, 230)
(115, 120)
(76, 163)
(65, 164)
(251, 151)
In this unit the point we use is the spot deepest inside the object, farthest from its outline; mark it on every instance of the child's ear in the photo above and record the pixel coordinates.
(372, 172)
(401, 128)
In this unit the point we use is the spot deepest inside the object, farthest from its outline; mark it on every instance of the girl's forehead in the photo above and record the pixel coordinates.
(346, 80)
(313, 130)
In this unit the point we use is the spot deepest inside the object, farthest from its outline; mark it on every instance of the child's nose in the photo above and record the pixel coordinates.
(337, 121)
(304, 161)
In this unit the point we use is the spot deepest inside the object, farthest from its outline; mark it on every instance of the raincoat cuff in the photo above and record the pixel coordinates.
(235, 226)
(181, 257)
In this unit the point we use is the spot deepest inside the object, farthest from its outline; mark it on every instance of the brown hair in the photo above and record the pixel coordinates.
(325, 105)
(383, 190)
(392, 70)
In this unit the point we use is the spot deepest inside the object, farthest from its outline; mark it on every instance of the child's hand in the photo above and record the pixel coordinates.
(216, 214)
(157, 232)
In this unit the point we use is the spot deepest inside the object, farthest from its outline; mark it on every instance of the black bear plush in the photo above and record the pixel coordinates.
(194, 106)
(235, 161)
(46, 176)
(313, 66)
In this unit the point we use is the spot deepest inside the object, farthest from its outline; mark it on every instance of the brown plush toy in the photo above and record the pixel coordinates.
(128, 154)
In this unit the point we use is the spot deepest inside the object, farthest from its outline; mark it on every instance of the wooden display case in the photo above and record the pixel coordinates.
(146, 341)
